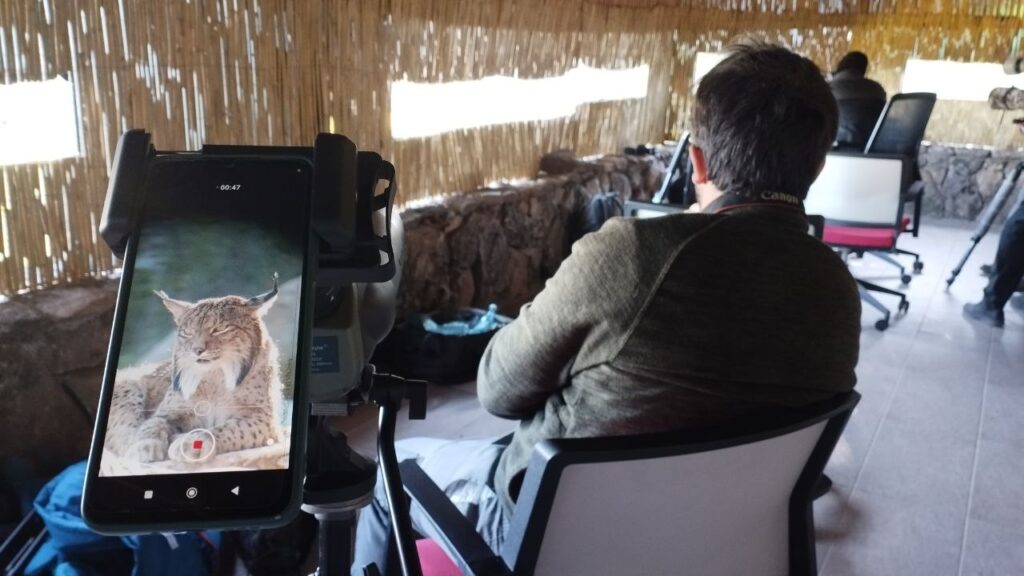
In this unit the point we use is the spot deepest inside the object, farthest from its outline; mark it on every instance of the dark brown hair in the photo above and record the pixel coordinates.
(765, 118)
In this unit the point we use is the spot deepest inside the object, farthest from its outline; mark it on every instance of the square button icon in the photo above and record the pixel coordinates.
(147, 495)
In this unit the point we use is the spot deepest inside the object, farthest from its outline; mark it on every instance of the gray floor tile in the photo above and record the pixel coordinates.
(1007, 358)
(999, 485)
(943, 407)
(916, 466)
(992, 550)
(1003, 419)
(890, 537)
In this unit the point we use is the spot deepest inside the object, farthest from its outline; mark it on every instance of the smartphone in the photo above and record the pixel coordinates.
(202, 414)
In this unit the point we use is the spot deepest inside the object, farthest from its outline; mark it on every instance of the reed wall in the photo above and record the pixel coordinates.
(279, 71)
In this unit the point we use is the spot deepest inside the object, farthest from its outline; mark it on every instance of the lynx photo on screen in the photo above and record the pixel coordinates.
(206, 371)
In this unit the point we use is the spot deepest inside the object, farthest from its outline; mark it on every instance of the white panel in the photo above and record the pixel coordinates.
(859, 189)
(38, 121)
(421, 109)
(718, 513)
(948, 80)
(641, 213)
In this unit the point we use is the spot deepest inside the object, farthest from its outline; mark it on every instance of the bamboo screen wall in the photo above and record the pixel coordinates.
(279, 71)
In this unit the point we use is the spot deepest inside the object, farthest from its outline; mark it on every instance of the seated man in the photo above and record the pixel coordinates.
(676, 322)
(860, 101)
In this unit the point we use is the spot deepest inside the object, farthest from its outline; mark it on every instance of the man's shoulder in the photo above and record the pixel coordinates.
(626, 231)
(856, 88)
(675, 225)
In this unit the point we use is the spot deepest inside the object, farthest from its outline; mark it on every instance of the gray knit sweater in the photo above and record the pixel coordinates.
(671, 323)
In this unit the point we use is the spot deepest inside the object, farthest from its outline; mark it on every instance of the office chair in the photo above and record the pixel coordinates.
(860, 198)
(899, 131)
(725, 502)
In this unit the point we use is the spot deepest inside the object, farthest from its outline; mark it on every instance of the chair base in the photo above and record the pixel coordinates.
(865, 288)
(887, 257)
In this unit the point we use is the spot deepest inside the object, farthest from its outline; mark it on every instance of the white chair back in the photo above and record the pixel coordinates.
(718, 513)
(855, 189)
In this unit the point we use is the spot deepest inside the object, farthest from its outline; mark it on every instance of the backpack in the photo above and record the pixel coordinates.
(601, 208)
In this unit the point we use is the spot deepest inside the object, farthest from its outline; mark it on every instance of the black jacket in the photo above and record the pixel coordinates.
(860, 101)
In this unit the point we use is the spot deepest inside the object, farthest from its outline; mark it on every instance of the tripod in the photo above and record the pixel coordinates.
(988, 217)
(339, 481)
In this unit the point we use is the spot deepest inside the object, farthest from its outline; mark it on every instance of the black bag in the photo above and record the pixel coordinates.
(411, 351)
(601, 208)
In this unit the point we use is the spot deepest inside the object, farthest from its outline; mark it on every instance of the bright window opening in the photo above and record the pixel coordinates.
(704, 62)
(38, 121)
(420, 109)
(971, 81)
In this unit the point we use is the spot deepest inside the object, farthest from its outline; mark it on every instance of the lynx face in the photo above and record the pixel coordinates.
(216, 335)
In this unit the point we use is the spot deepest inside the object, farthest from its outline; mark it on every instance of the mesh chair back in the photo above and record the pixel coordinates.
(648, 505)
(854, 189)
(901, 127)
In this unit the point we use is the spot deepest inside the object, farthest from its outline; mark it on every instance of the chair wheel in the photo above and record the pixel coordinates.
(906, 278)
(904, 306)
(918, 266)
(881, 325)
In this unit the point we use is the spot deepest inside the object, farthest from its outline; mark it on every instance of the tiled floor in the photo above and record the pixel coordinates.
(929, 475)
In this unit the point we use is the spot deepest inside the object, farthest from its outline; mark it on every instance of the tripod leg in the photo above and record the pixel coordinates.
(989, 216)
(960, 265)
(337, 533)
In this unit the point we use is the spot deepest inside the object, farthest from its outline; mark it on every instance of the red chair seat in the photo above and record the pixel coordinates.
(854, 237)
(434, 561)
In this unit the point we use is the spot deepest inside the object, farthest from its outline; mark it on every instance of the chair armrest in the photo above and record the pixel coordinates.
(461, 540)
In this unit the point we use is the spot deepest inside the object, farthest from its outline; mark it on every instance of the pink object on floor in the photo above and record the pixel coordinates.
(434, 560)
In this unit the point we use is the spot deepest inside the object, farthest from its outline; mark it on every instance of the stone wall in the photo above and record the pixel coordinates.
(497, 245)
(53, 344)
(960, 181)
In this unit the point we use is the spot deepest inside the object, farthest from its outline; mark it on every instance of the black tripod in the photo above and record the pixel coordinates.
(988, 217)
(339, 481)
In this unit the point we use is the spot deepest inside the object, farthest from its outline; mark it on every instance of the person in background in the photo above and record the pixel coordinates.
(1006, 272)
(674, 323)
(860, 101)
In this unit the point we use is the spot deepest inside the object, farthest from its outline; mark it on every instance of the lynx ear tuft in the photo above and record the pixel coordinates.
(176, 307)
(264, 301)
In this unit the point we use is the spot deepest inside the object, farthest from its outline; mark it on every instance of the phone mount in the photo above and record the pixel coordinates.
(357, 276)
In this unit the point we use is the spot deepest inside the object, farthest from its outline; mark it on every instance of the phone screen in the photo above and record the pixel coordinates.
(200, 399)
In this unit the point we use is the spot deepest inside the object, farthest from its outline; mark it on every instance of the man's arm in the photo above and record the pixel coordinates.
(584, 307)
